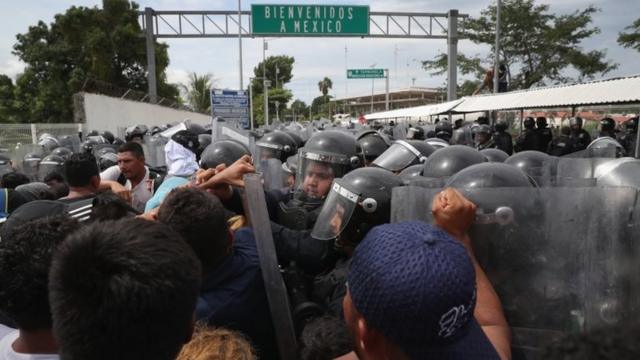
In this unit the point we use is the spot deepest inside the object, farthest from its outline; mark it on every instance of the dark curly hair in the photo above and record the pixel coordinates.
(25, 258)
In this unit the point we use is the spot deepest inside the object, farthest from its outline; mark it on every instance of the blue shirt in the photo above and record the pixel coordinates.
(169, 183)
(233, 296)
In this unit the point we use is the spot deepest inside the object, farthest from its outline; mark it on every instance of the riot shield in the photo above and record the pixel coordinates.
(154, 150)
(256, 209)
(272, 174)
(562, 260)
(18, 153)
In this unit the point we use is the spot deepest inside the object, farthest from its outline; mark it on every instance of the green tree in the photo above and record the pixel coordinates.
(320, 106)
(537, 47)
(80, 45)
(7, 100)
(632, 38)
(198, 92)
(284, 65)
(324, 85)
(279, 95)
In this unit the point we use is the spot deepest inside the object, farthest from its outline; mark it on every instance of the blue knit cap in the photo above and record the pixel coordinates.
(416, 285)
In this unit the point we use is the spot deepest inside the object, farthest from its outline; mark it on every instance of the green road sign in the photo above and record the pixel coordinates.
(309, 20)
(365, 73)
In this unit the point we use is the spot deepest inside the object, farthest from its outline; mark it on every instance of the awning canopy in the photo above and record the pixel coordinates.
(611, 91)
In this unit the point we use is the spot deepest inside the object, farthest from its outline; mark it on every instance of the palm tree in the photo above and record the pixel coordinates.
(197, 92)
(325, 85)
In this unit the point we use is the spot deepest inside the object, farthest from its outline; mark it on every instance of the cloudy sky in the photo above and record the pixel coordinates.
(316, 58)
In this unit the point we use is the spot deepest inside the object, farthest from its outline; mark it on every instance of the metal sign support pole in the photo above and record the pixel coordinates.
(386, 85)
(151, 55)
(452, 41)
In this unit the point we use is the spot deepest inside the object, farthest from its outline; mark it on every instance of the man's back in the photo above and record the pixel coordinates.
(233, 296)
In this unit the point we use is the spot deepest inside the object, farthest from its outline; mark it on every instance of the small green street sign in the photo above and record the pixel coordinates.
(365, 73)
(309, 20)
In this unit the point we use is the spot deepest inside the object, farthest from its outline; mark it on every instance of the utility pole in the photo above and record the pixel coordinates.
(264, 83)
(496, 67)
(452, 42)
(386, 85)
(151, 55)
(240, 40)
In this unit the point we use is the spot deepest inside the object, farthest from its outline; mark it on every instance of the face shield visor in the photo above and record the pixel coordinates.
(397, 157)
(317, 171)
(336, 212)
(266, 151)
(30, 167)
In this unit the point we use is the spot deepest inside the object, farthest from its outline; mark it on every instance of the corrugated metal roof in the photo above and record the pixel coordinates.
(610, 91)
(417, 111)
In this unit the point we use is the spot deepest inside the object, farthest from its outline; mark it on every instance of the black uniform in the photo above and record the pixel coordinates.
(561, 145)
(581, 138)
(544, 138)
(528, 140)
(503, 141)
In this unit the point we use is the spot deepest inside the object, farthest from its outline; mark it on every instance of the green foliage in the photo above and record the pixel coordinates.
(83, 44)
(320, 106)
(198, 92)
(7, 100)
(324, 85)
(632, 38)
(285, 67)
(282, 96)
(536, 46)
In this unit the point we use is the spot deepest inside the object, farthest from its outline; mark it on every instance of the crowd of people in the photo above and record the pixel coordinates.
(103, 256)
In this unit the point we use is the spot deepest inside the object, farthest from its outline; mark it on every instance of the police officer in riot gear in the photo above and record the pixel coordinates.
(527, 139)
(607, 128)
(502, 138)
(563, 144)
(108, 135)
(372, 144)
(543, 133)
(404, 153)
(482, 137)
(327, 155)
(222, 152)
(63, 152)
(276, 145)
(581, 137)
(444, 130)
(628, 138)
(358, 202)
(135, 133)
(416, 133)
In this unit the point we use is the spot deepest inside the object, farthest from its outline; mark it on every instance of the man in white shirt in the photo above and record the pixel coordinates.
(133, 174)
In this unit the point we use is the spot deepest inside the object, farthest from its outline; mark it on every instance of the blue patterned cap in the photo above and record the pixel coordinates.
(416, 285)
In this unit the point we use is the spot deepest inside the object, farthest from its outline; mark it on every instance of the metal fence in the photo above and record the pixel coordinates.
(12, 134)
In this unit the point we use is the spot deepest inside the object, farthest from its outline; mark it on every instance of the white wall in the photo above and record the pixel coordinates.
(108, 113)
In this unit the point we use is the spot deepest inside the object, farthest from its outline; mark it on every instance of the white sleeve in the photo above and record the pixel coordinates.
(111, 173)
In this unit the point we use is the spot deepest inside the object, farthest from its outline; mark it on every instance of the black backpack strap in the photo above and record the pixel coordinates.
(121, 179)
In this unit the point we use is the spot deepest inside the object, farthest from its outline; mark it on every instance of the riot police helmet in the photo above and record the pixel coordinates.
(196, 128)
(531, 161)
(69, 142)
(296, 137)
(541, 122)
(225, 151)
(575, 122)
(105, 150)
(356, 203)
(501, 126)
(437, 143)
(118, 141)
(63, 152)
(490, 175)
(135, 132)
(494, 155)
(155, 130)
(448, 161)
(372, 144)
(326, 155)
(49, 164)
(93, 133)
(607, 124)
(276, 145)
(88, 145)
(481, 129)
(605, 147)
(620, 172)
(107, 160)
(30, 163)
(632, 125)
(403, 153)
(482, 120)
(108, 135)
(204, 140)
(411, 172)
(48, 143)
(5, 164)
(444, 130)
(529, 123)
(187, 139)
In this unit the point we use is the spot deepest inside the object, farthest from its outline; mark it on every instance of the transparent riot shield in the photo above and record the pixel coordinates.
(562, 260)
(256, 208)
(273, 175)
(399, 131)
(101, 149)
(154, 150)
(18, 153)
